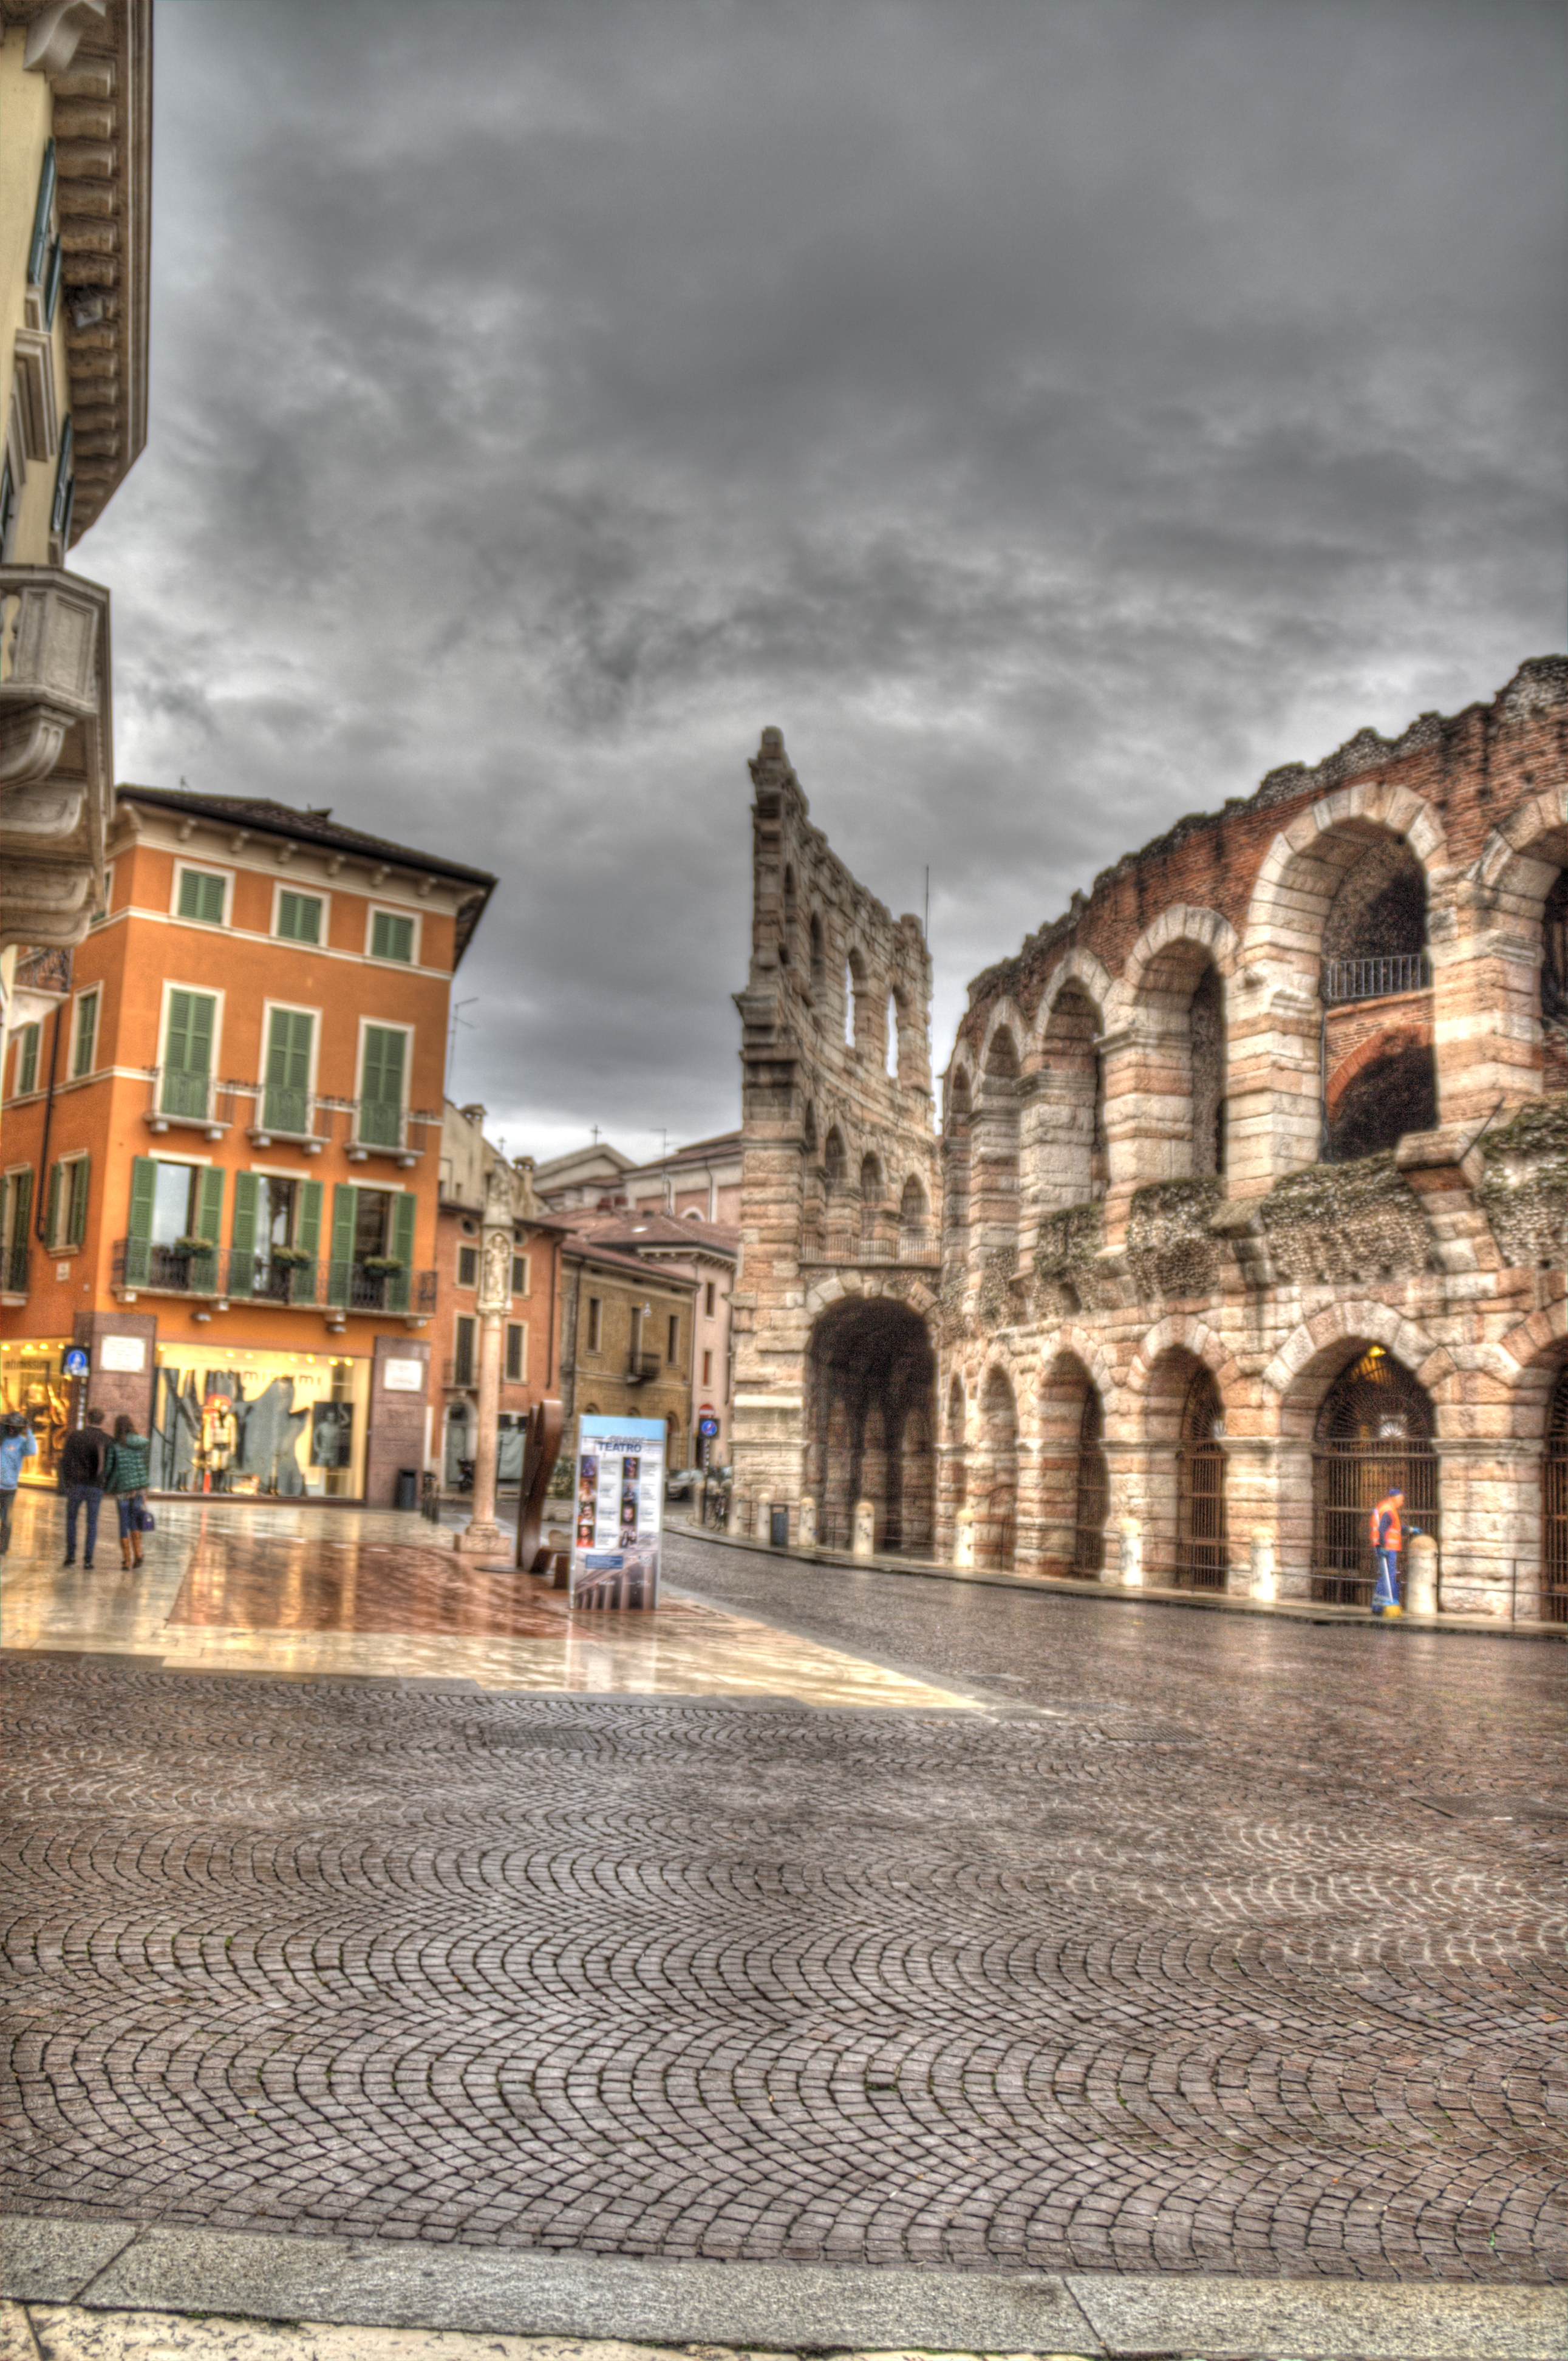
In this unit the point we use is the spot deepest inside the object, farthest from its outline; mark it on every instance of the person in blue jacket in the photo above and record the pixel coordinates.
(16, 1444)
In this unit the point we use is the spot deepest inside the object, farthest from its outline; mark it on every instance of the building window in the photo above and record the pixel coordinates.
(37, 246)
(381, 1087)
(300, 917)
(391, 936)
(467, 1266)
(636, 1354)
(517, 1353)
(710, 1296)
(707, 1369)
(201, 896)
(286, 1102)
(65, 1218)
(519, 1274)
(27, 1059)
(596, 1323)
(463, 1355)
(7, 508)
(86, 1035)
(187, 1053)
(672, 1340)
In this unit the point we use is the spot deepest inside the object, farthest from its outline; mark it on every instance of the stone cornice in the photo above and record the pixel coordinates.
(96, 55)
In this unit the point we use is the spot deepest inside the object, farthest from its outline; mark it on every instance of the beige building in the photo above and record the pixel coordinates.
(1250, 1200)
(625, 1348)
(701, 1180)
(76, 205)
(705, 1253)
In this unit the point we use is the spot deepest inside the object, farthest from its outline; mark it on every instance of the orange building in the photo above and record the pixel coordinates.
(221, 1153)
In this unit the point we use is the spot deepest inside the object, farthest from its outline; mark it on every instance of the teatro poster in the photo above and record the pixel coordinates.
(619, 1511)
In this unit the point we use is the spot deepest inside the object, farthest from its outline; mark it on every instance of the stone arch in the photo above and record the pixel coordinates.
(1384, 1089)
(1070, 1505)
(1192, 1335)
(1182, 1413)
(1168, 1087)
(958, 1127)
(1346, 1324)
(1080, 967)
(993, 1469)
(1065, 1142)
(1522, 874)
(816, 952)
(1299, 874)
(870, 1388)
(996, 1143)
(875, 1224)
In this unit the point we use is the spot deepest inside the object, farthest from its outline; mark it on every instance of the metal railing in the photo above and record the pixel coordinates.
(642, 1369)
(381, 1123)
(14, 1261)
(45, 969)
(1375, 979)
(285, 1110)
(905, 1246)
(143, 1266)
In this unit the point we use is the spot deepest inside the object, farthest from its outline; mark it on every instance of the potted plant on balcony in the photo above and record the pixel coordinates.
(291, 1258)
(186, 1248)
(381, 1266)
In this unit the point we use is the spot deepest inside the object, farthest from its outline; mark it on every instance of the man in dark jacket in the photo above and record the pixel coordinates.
(82, 1465)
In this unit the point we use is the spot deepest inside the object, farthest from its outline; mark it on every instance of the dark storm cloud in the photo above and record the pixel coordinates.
(1051, 416)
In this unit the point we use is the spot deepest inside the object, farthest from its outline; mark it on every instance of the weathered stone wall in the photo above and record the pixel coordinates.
(1131, 1184)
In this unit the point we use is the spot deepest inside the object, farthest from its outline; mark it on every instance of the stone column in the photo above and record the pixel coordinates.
(482, 1536)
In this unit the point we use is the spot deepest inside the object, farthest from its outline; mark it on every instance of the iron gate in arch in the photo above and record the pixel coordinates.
(1202, 1552)
(1094, 1493)
(1375, 1435)
(1554, 1509)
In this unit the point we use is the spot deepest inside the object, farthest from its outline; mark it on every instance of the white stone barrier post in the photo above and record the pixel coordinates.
(865, 1529)
(1265, 1585)
(805, 1524)
(1130, 1552)
(1420, 1575)
(964, 1537)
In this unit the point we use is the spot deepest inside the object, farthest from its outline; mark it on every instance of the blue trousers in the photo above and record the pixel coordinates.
(78, 1495)
(1386, 1589)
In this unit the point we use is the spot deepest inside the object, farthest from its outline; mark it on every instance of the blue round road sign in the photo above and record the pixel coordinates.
(708, 1428)
(76, 1363)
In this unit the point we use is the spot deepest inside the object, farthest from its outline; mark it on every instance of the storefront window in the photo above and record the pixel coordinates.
(288, 1425)
(33, 1382)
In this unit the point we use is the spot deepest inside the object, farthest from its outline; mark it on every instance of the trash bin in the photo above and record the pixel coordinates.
(778, 1525)
(408, 1488)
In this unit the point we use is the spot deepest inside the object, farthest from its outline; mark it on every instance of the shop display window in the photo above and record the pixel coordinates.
(32, 1380)
(290, 1425)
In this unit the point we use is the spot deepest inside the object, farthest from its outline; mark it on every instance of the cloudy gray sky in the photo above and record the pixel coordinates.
(1052, 414)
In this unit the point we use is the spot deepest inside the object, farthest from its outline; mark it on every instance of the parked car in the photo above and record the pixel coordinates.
(681, 1483)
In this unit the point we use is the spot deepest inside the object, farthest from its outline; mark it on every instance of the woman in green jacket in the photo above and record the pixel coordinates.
(125, 1479)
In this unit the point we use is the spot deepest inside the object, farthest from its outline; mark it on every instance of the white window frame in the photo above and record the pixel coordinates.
(467, 1247)
(384, 1025)
(203, 869)
(217, 993)
(64, 1244)
(392, 910)
(93, 992)
(515, 1328)
(312, 893)
(288, 1008)
(16, 1037)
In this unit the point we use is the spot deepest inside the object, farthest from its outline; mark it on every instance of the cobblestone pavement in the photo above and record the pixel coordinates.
(1164, 1967)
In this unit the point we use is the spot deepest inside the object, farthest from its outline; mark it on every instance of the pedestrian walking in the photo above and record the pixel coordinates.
(1388, 1540)
(82, 1465)
(16, 1444)
(125, 1481)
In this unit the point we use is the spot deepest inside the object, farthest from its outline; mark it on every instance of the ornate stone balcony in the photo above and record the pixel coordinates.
(56, 752)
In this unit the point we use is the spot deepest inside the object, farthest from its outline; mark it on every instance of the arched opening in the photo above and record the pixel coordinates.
(995, 1493)
(859, 1015)
(1373, 947)
(1069, 1153)
(786, 938)
(1179, 1109)
(834, 1161)
(955, 1148)
(1385, 1097)
(457, 1446)
(813, 1188)
(1202, 1552)
(994, 1154)
(1073, 1489)
(1374, 1437)
(893, 1038)
(874, 1215)
(914, 1221)
(870, 1381)
(819, 956)
(1554, 982)
(1554, 1508)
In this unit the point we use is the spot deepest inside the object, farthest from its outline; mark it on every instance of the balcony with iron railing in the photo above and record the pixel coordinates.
(184, 1100)
(285, 1279)
(295, 1116)
(1375, 978)
(380, 1127)
(642, 1369)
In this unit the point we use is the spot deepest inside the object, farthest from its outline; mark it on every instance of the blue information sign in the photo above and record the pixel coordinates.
(708, 1428)
(76, 1363)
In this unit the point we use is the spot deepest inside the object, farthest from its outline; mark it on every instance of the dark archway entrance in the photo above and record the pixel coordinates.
(870, 1385)
(1554, 1507)
(1093, 1492)
(1202, 1554)
(1375, 1435)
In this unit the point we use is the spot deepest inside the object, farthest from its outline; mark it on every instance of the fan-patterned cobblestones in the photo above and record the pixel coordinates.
(1070, 1987)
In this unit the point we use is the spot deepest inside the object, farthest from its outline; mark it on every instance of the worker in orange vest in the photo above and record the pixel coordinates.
(1387, 1539)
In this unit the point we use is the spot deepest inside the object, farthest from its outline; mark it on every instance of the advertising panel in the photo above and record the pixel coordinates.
(619, 1512)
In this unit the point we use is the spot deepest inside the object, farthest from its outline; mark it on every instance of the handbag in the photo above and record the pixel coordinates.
(145, 1522)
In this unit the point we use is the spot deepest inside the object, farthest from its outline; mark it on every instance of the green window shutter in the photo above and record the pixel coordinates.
(189, 1044)
(299, 918)
(210, 1218)
(391, 937)
(21, 1206)
(143, 1187)
(52, 283)
(242, 1234)
(38, 246)
(86, 1034)
(7, 1195)
(288, 1048)
(76, 1219)
(27, 1059)
(308, 1219)
(400, 1283)
(384, 1065)
(60, 507)
(345, 1206)
(201, 896)
(52, 1218)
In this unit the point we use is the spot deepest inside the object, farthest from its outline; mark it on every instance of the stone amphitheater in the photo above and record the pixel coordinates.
(1247, 1200)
